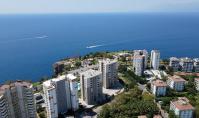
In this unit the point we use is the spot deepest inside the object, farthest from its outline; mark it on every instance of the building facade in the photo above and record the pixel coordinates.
(142, 53)
(196, 64)
(158, 88)
(174, 63)
(155, 59)
(177, 83)
(91, 87)
(197, 83)
(139, 62)
(109, 69)
(60, 95)
(17, 100)
(182, 108)
(186, 64)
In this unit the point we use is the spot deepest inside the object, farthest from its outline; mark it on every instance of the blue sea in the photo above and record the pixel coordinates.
(30, 44)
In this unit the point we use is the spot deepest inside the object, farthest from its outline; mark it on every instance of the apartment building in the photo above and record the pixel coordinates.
(177, 83)
(142, 53)
(155, 59)
(109, 69)
(91, 87)
(139, 62)
(196, 64)
(174, 63)
(186, 64)
(158, 87)
(17, 100)
(60, 95)
(182, 108)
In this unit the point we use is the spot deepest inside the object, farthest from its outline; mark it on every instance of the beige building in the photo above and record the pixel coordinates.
(109, 69)
(91, 87)
(182, 108)
(17, 100)
(158, 87)
(177, 83)
(141, 53)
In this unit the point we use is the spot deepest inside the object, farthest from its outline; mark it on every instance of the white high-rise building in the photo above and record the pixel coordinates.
(109, 69)
(17, 100)
(74, 91)
(155, 59)
(60, 95)
(158, 88)
(182, 108)
(139, 65)
(91, 87)
(142, 53)
(177, 83)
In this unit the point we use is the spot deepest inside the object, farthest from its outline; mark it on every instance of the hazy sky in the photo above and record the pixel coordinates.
(92, 6)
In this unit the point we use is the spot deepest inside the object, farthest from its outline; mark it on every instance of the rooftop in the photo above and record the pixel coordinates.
(142, 116)
(174, 59)
(156, 51)
(90, 73)
(108, 61)
(159, 83)
(186, 59)
(71, 77)
(176, 78)
(14, 84)
(182, 103)
(49, 83)
(139, 57)
(197, 79)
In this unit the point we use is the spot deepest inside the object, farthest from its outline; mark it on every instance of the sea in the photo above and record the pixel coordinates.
(30, 44)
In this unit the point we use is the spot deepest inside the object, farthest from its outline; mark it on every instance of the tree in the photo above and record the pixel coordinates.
(172, 114)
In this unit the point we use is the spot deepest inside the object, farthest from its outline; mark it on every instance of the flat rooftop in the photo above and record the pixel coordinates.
(90, 73)
(108, 61)
(13, 85)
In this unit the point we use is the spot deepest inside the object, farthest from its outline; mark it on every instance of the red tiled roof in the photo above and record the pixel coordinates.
(143, 116)
(197, 79)
(159, 83)
(182, 104)
(157, 116)
(177, 78)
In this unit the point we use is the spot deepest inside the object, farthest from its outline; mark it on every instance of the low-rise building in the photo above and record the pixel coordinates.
(177, 83)
(182, 108)
(174, 63)
(158, 87)
(197, 83)
(196, 64)
(186, 64)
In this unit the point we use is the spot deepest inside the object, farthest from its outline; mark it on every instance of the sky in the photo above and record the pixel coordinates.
(95, 6)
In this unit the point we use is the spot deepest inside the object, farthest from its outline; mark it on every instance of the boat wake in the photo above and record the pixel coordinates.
(94, 46)
(26, 39)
